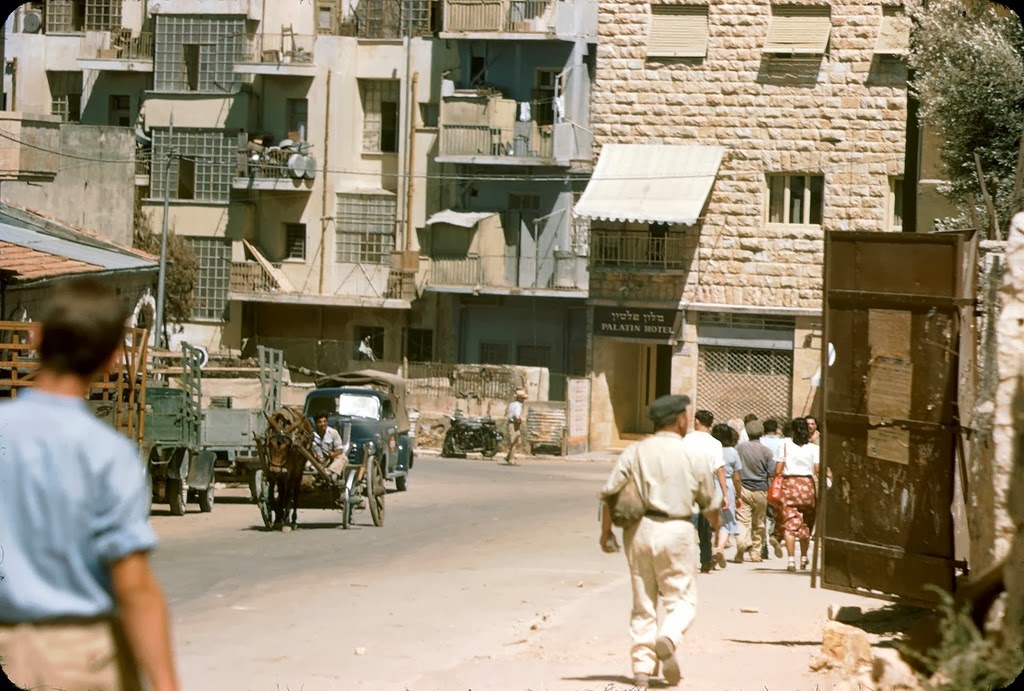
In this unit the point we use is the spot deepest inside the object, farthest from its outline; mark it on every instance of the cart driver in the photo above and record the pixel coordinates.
(327, 444)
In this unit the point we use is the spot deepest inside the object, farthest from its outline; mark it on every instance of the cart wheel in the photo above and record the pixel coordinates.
(262, 486)
(402, 482)
(376, 491)
(177, 496)
(346, 508)
(206, 499)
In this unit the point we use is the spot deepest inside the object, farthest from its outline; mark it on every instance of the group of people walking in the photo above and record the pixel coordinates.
(702, 489)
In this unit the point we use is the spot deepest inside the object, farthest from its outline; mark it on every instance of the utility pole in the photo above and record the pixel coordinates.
(159, 321)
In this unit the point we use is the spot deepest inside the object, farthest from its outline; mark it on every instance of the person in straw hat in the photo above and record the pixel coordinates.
(514, 415)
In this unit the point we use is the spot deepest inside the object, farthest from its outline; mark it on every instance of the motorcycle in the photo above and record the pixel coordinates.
(471, 434)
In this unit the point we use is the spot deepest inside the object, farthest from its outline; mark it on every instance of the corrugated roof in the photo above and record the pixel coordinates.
(463, 219)
(650, 183)
(32, 255)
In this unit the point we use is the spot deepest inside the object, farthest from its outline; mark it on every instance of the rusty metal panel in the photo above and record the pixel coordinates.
(892, 312)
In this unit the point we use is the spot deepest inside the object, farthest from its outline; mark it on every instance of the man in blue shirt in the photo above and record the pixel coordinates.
(79, 606)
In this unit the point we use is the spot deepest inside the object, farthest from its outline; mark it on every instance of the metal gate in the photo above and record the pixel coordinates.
(892, 312)
(732, 382)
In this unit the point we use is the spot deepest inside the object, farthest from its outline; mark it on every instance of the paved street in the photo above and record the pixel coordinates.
(484, 576)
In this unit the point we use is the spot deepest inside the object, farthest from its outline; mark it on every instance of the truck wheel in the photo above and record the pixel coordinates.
(177, 496)
(402, 482)
(206, 499)
(375, 490)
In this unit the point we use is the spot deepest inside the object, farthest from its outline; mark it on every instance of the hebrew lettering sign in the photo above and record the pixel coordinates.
(635, 322)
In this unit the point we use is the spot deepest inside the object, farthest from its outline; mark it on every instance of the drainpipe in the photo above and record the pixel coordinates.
(323, 201)
(409, 185)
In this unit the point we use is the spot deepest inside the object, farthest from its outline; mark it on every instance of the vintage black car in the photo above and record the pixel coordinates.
(372, 405)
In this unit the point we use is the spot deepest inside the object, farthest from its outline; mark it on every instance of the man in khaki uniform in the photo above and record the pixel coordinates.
(661, 547)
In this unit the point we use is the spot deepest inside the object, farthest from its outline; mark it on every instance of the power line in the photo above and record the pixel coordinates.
(568, 176)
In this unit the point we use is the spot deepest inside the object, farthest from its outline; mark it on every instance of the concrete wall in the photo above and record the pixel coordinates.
(1007, 473)
(96, 195)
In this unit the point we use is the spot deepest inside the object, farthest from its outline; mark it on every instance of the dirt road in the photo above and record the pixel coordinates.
(483, 577)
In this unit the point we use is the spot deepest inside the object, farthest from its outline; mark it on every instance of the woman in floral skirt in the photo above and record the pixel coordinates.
(795, 514)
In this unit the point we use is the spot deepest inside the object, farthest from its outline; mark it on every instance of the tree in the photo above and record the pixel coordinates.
(182, 266)
(967, 59)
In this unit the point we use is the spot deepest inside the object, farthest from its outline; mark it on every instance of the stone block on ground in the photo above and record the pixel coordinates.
(890, 671)
(846, 645)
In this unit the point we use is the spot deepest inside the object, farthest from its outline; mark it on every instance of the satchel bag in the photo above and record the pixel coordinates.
(627, 506)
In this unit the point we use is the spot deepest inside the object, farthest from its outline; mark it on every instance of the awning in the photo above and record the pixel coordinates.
(650, 183)
(463, 219)
(893, 32)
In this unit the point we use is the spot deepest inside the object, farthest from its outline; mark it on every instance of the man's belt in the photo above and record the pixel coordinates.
(651, 513)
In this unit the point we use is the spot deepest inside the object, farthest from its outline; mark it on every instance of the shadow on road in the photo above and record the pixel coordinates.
(627, 682)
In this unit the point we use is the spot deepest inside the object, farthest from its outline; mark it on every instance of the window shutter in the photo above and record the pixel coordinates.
(799, 30)
(893, 32)
(678, 31)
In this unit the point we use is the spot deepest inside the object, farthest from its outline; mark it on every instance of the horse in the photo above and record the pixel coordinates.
(287, 441)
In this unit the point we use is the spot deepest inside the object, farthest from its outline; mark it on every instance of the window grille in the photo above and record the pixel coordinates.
(494, 354)
(197, 53)
(732, 382)
(795, 199)
(365, 228)
(295, 241)
(380, 115)
(657, 249)
(524, 202)
(102, 15)
(420, 345)
(211, 154)
(63, 16)
(65, 95)
(211, 290)
(533, 356)
(748, 321)
(393, 18)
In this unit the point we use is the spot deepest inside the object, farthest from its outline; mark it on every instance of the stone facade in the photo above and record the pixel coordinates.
(842, 115)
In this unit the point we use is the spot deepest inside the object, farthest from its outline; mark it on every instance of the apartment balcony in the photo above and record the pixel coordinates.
(277, 55)
(274, 168)
(520, 19)
(500, 275)
(126, 53)
(260, 281)
(485, 129)
(30, 147)
(618, 250)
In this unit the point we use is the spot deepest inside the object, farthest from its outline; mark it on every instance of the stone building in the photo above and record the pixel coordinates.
(730, 137)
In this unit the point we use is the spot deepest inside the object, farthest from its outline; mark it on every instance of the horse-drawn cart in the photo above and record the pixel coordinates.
(367, 409)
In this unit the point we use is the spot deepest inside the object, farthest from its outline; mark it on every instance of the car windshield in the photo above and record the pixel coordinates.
(349, 405)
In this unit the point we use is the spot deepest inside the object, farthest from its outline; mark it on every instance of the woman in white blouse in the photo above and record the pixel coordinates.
(799, 468)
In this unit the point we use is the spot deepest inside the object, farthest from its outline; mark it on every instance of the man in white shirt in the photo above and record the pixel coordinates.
(514, 415)
(327, 445)
(707, 447)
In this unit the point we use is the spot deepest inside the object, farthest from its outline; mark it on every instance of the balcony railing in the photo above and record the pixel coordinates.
(610, 249)
(562, 271)
(251, 277)
(510, 16)
(523, 140)
(463, 271)
(124, 46)
(142, 164)
(277, 49)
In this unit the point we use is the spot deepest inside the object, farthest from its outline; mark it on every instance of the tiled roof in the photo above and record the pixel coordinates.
(26, 264)
(29, 254)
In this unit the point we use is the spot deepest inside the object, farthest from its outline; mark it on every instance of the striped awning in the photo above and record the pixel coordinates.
(650, 183)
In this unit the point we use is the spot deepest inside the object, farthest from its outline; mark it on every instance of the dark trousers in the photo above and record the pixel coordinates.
(704, 536)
